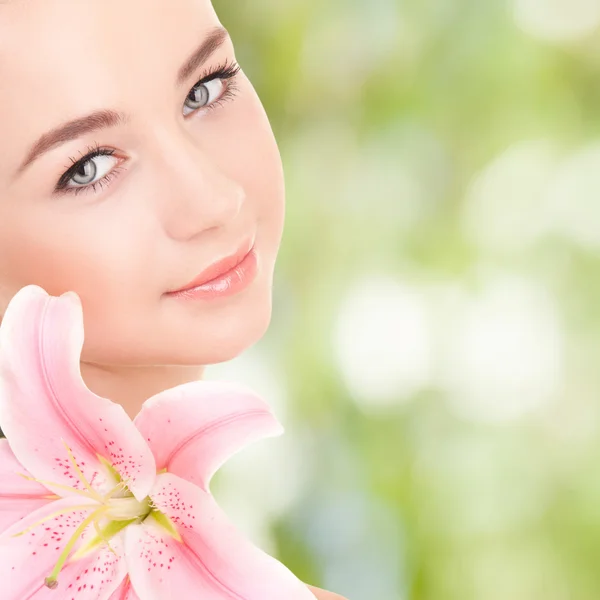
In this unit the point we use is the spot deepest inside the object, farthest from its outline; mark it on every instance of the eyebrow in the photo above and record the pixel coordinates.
(107, 118)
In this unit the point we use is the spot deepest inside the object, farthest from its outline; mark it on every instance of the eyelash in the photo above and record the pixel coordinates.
(226, 71)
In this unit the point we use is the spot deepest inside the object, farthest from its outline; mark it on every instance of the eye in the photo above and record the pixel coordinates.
(213, 89)
(204, 94)
(96, 168)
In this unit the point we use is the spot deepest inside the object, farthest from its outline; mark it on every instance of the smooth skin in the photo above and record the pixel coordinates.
(191, 174)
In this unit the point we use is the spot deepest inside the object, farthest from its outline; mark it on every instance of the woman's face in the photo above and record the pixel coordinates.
(192, 175)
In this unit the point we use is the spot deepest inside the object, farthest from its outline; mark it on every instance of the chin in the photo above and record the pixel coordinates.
(225, 338)
(189, 348)
(184, 337)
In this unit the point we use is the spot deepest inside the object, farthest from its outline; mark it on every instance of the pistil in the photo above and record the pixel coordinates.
(110, 514)
(51, 580)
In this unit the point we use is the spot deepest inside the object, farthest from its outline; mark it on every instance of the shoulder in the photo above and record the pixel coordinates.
(324, 595)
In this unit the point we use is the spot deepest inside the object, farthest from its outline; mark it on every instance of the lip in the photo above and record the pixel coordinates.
(218, 269)
(227, 284)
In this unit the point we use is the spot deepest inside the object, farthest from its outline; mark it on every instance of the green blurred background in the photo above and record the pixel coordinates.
(434, 347)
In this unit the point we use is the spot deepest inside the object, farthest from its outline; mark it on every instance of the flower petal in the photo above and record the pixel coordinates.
(125, 591)
(27, 559)
(93, 577)
(195, 427)
(18, 496)
(44, 402)
(213, 560)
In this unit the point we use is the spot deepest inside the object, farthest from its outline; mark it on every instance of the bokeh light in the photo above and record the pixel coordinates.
(436, 324)
(383, 342)
(558, 20)
(433, 350)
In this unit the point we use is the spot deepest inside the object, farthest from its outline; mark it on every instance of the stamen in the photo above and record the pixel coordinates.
(113, 472)
(125, 509)
(108, 495)
(103, 537)
(57, 485)
(112, 529)
(121, 511)
(80, 473)
(52, 515)
(51, 580)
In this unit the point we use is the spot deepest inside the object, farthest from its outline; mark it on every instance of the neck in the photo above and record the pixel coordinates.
(131, 386)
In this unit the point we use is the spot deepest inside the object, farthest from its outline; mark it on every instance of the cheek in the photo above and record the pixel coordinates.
(107, 265)
(60, 253)
(258, 166)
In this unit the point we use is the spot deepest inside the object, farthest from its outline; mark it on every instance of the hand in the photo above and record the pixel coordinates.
(324, 595)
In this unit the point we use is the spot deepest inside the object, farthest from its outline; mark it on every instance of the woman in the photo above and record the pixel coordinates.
(135, 155)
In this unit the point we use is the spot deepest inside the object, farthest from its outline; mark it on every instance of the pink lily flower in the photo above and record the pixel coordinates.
(95, 506)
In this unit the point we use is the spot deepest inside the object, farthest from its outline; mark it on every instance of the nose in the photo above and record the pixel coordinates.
(195, 193)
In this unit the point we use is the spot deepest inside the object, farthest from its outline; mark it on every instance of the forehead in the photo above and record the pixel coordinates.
(42, 33)
(63, 58)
